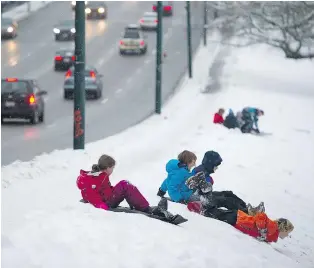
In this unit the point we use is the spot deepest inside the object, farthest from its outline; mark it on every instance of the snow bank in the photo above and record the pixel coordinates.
(44, 225)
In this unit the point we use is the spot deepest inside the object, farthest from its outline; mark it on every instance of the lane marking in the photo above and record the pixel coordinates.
(108, 55)
(138, 70)
(147, 61)
(129, 80)
(104, 101)
(119, 91)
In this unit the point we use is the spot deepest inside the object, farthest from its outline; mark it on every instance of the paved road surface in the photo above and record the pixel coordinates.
(129, 86)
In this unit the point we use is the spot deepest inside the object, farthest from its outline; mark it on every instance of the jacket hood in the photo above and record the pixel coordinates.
(172, 165)
(211, 159)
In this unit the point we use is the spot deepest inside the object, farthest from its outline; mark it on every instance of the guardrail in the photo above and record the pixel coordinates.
(25, 10)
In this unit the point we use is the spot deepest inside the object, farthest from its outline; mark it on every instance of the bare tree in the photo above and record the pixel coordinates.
(286, 25)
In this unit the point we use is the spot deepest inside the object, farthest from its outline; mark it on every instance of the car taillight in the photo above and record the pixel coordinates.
(154, 8)
(11, 80)
(92, 74)
(73, 58)
(58, 58)
(68, 74)
(141, 21)
(156, 21)
(142, 43)
(167, 8)
(121, 42)
(31, 99)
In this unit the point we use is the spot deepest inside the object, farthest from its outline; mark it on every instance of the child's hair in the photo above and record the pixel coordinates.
(104, 162)
(186, 157)
(284, 225)
(221, 110)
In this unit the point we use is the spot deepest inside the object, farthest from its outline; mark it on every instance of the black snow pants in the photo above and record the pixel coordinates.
(229, 200)
(228, 216)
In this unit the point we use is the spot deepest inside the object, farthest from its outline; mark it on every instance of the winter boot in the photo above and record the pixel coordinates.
(163, 204)
(161, 193)
(252, 211)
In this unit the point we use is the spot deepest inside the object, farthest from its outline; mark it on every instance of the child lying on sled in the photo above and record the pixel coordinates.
(253, 222)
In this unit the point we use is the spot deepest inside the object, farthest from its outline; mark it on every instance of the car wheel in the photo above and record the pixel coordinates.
(144, 51)
(56, 38)
(35, 118)
(99, 94)
(121, 52)
(56, 68)
(2, 119)
(65, 95)
(42, 117)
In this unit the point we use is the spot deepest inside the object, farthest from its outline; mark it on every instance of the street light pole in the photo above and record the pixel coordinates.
(205, 24)
(189, 38)
(79, 77)
(158, 58)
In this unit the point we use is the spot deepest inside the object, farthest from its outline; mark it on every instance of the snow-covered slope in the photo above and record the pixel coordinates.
(44, 225)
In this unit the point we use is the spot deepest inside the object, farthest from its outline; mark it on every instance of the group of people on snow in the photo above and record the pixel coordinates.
(246, 120)
(187, 185)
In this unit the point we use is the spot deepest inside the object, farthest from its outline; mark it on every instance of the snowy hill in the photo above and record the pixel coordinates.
(44, 225)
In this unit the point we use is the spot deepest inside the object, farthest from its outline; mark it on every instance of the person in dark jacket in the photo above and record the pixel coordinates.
(250, 117)
(210, 163)
(231, 120)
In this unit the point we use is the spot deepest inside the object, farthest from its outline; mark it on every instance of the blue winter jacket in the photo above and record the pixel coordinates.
(253, 112)
(175, 181)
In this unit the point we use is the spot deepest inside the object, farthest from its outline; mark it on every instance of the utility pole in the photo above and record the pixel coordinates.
(205, 23)
(189, 39)
(79, 77)
(158, 58)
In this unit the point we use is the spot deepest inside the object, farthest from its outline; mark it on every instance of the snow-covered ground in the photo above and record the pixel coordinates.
(44, 225)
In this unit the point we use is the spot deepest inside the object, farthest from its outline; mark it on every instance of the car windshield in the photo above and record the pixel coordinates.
(95, 4)
(65, 53)
(14, 87)
(131, 35)
(69, 23)
(150, 16)
(6, 22)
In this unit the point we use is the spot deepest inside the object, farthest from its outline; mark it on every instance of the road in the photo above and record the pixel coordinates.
(129, 81)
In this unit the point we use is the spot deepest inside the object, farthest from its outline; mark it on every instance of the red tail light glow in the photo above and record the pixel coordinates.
(154, 8)
(141, 21)
(11, 80)
(58, 58)
(167, 8)
(121, 42)
(31, 99)
(68, 74)
(92, 74)
(73, 58)
(156, 21)
(142, 43)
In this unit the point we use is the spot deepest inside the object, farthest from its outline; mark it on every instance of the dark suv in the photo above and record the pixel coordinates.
(22, 99)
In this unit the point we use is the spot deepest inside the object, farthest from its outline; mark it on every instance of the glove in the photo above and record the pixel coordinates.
(102, 205)
(161, 193)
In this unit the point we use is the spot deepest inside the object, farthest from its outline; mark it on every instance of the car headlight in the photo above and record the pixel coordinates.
(73, 3)
(88, 10)
(101, 10)
(73, 30)
(10, 29)
(55, 30)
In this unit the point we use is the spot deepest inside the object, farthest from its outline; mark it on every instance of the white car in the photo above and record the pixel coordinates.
(133, 41)
(149, 21)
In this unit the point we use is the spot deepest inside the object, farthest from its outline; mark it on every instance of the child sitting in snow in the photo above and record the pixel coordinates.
(227, 199)
(253, 222)
(250, 117)
(218, 117)
(231, 120)
(96, 189)
(178, 172)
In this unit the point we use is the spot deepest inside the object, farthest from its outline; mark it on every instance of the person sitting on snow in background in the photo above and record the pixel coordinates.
(250, 117)
(218, 117)
(178, 172)
(96, 189)
(254, 222)
(227, 199)
(231, 121)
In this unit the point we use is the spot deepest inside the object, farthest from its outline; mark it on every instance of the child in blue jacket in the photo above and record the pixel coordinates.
(250, 117)
(178, 172)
